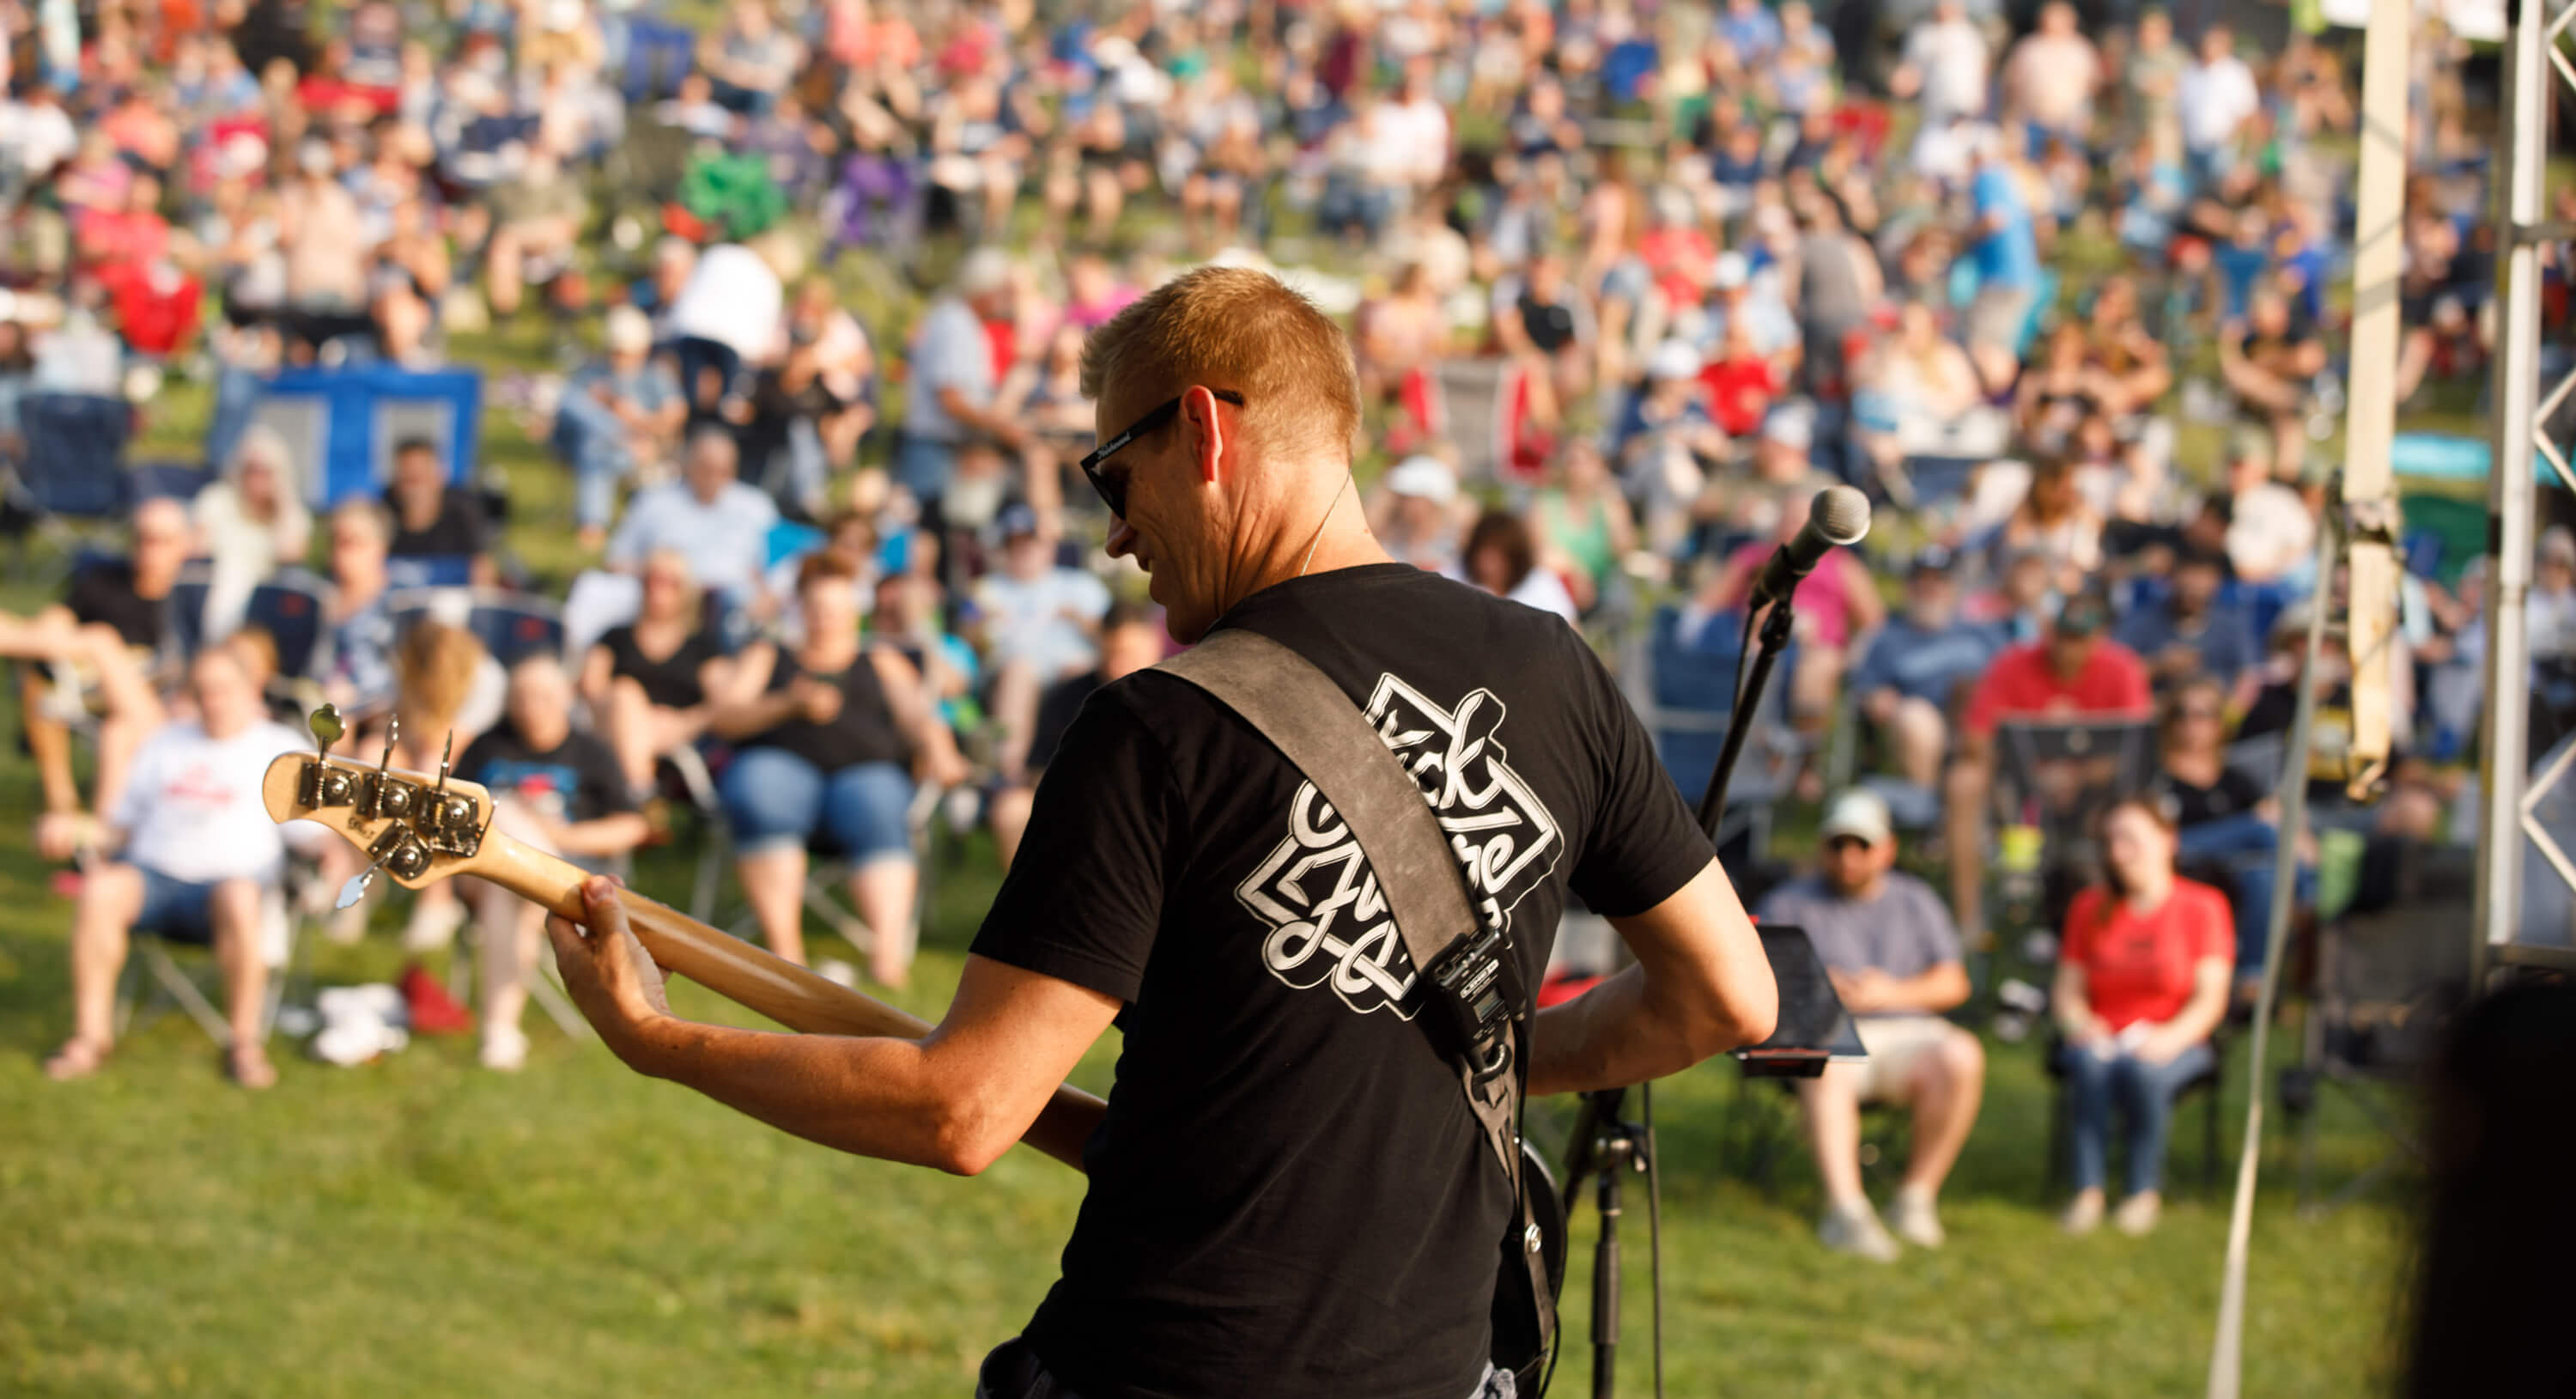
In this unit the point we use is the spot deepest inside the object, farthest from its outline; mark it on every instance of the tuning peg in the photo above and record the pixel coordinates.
(356, 888)
(393, 730)
(444, 755)
(325, 723)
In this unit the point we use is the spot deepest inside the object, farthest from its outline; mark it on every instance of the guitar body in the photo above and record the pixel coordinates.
(1516, 1341)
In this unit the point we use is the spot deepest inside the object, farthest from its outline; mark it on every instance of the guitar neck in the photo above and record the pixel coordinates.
(754, 977)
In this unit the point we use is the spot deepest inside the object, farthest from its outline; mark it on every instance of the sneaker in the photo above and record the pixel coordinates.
(505, 1048)
(433, 926)
(2137, 1214)
(1854, 1229)
(347, 925)
(1914, 1218)
(2084, 1215)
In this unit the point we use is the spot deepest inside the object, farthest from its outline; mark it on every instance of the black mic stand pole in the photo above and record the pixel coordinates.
(1605, 1144)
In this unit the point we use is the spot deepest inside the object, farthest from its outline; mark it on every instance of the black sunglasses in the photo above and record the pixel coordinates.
(1113, 489)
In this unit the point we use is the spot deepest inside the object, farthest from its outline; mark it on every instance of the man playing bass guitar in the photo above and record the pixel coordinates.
(1288, 1192)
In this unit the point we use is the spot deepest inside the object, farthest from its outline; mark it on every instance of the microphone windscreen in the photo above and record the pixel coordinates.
(1841, 515)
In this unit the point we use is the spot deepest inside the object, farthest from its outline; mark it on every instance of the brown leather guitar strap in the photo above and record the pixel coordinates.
(1314, 724)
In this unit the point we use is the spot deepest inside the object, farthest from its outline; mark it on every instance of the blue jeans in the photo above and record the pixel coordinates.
(694, 354)
(2144, 1093)
(922, 465)
(588, 435)
(2245, 846)
(775, 799)
(237, 394)
(178, 910)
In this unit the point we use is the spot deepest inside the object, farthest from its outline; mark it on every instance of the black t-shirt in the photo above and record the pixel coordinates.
(104, 593)
(577, 780)
(863, 732)
(1288, 1195)
(1549, 324)
(1057, 709)
(2233, 794)
(671, 682)
(459, 530)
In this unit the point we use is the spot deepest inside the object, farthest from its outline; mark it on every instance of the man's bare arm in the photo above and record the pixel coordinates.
(1701, 986)
(955, 1100)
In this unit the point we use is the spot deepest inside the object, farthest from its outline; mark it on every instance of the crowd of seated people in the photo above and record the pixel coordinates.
(1717, 259)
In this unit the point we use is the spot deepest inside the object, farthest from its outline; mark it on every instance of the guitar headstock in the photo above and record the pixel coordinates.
(417, 828)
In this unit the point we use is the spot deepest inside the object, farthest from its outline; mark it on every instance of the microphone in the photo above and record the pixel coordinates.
(1840, 515)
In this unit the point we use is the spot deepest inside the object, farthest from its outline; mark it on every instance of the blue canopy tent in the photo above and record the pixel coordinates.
(341, 425)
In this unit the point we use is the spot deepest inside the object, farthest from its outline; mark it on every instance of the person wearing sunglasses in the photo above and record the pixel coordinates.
(2226, 823)
(1893, 954)
(1281, 1124)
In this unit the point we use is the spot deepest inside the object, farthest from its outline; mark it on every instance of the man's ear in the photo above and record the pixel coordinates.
(1207, 433)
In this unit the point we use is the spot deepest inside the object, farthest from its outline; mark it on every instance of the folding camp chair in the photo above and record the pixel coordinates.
(2052, 777)
(172, 480)
(511, 625)
(153, 978)
(2390, 971)
(2205, 1085)
(1684, 690)
(69, 479)
(827, 873)
(658, 55)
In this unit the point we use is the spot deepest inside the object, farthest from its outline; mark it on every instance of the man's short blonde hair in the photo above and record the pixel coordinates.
(1241, 329)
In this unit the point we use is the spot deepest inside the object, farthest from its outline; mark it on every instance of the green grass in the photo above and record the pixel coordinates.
(420, 1227)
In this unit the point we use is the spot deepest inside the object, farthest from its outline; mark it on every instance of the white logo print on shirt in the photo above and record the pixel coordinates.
(1328, 921)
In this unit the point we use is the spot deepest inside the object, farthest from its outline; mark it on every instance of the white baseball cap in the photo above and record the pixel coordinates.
(1674, 359)
(629, 329)
(1732, 269)
(1424, 477)
(1861, 814)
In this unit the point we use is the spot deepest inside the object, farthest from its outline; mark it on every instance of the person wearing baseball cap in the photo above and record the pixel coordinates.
(1893, 954)
(1414, 513)
(2194, 630)
(2072, 672)
(617, 416)
(1919, 662)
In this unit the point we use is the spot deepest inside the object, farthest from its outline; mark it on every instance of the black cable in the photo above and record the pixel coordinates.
(1654, 1229)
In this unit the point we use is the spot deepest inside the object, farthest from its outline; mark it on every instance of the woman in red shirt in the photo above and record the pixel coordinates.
(2141, 982)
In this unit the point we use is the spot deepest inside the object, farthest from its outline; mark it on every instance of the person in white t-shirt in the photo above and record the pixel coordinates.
(1038, 623)
(2270, 530)
(727, 319)
(1945, 65)
(196, 858)
(2216, 97)
(249, 525)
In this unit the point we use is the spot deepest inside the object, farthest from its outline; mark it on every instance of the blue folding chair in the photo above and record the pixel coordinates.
(430, 571)
(289, 607)
(75, 455)
(1684, 690)
(69, 479)
(658, 55)
(514, 626)
(511, 626)
(175, 480)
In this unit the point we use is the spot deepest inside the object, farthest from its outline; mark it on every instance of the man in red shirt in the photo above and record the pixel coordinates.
(2072, 672)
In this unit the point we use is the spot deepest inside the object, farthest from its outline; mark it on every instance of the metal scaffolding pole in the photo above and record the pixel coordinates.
(2504, 762)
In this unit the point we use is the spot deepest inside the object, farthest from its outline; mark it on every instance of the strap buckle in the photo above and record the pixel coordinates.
(1478, 995)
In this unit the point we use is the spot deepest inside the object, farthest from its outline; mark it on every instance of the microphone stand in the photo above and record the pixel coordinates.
(1605, 1143)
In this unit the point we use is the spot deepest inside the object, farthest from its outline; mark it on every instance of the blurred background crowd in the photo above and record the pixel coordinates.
(813, 584)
